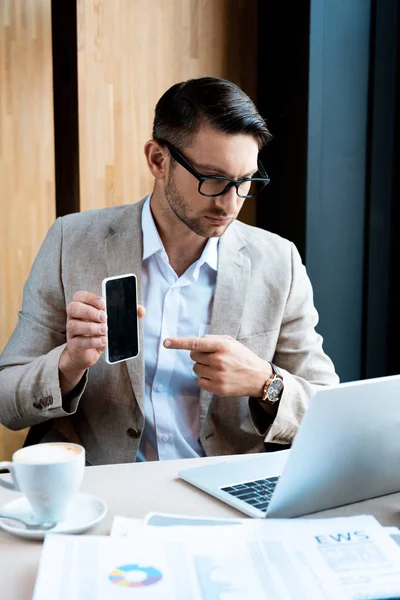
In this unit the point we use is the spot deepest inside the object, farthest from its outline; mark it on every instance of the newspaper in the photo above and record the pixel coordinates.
(345, 558)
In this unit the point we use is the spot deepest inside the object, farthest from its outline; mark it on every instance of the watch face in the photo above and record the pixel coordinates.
(275, 390)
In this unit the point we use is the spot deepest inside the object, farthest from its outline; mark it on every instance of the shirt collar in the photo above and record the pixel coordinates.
(210, 253)
(152, 242)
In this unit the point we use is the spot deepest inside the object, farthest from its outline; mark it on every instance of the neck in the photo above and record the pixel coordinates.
(182, 245)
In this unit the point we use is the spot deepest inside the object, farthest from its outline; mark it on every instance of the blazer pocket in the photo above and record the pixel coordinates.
(262, 344)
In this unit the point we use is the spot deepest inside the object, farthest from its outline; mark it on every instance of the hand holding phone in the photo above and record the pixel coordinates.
(120, 294)
(86, 330)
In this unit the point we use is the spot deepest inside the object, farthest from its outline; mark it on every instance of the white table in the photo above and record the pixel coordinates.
(133, 490)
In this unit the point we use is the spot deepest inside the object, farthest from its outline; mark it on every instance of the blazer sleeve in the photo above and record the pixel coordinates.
(299, 354)
(29, 384)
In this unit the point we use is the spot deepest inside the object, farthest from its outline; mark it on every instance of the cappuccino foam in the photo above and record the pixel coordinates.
(47, 453)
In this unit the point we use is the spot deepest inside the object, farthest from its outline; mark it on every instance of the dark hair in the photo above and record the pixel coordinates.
(186, 106)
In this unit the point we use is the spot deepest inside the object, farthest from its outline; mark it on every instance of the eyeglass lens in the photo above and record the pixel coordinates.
(214, 187)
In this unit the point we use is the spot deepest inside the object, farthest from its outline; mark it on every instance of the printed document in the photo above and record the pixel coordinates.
(338, 559)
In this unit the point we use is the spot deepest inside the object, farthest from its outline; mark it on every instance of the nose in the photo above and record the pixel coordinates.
(228, 201)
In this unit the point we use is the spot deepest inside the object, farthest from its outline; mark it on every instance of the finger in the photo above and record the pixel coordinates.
(201, 357)
(141, 311)
(197, 344)
(203, 371)
(206, 384)
(215, 387)
(225, 337)
(85, 312)
(89, 298)
(77, 327)
(88, 343)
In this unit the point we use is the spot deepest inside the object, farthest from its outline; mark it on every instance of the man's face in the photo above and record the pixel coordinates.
(211, 153)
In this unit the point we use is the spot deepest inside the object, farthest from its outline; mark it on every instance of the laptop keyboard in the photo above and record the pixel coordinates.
(256, 493)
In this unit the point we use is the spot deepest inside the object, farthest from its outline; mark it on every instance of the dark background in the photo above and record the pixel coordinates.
(328, 84)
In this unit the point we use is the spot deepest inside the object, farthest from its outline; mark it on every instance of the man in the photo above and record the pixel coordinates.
(224, 302)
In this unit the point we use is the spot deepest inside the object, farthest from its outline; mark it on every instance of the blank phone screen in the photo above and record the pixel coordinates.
(122, 318)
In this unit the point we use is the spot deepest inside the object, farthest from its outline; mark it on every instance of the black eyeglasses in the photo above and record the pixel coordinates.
(215, 185)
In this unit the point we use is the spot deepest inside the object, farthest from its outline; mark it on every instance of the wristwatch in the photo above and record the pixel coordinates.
(273, 387)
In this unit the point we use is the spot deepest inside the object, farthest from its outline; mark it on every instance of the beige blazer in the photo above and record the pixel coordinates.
(263, 298)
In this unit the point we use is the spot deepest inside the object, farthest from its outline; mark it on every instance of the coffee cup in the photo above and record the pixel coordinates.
(49, 475)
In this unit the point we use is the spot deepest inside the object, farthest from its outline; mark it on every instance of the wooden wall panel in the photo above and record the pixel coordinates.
(129, 53)
(27, 203)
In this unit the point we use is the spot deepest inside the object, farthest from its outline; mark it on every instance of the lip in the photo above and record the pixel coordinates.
(219, 220)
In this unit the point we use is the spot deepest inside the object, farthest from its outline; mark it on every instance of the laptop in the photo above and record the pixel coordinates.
(347, 449)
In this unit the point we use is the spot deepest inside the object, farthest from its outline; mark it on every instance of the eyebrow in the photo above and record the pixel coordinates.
(208, 168)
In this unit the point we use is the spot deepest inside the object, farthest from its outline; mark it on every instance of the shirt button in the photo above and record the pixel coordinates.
(133, 433)
(159, 387)
(164, 437)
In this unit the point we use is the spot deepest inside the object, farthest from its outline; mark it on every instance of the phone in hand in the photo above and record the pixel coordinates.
(120, 294)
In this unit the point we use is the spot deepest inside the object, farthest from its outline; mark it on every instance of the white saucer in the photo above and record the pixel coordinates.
(84, 512)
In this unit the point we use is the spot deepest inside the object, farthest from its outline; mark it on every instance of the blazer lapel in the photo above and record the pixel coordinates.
(124, 251)
(230, 294)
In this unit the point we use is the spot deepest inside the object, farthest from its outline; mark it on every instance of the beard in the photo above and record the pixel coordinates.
(196, 224)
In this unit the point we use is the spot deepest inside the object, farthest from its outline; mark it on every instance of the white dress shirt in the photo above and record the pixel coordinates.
(175, 307)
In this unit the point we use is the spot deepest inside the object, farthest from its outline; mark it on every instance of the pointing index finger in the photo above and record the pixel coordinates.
(207, 344)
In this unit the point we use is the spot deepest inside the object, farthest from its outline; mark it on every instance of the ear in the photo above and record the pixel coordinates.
(157, 159)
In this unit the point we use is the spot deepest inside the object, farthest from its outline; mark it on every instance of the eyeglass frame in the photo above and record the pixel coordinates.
(176, 155)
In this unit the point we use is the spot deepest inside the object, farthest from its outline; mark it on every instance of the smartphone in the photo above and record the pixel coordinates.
(120, 294)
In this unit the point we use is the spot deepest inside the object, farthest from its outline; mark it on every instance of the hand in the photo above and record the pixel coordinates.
(224, 365)
(86, 337)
